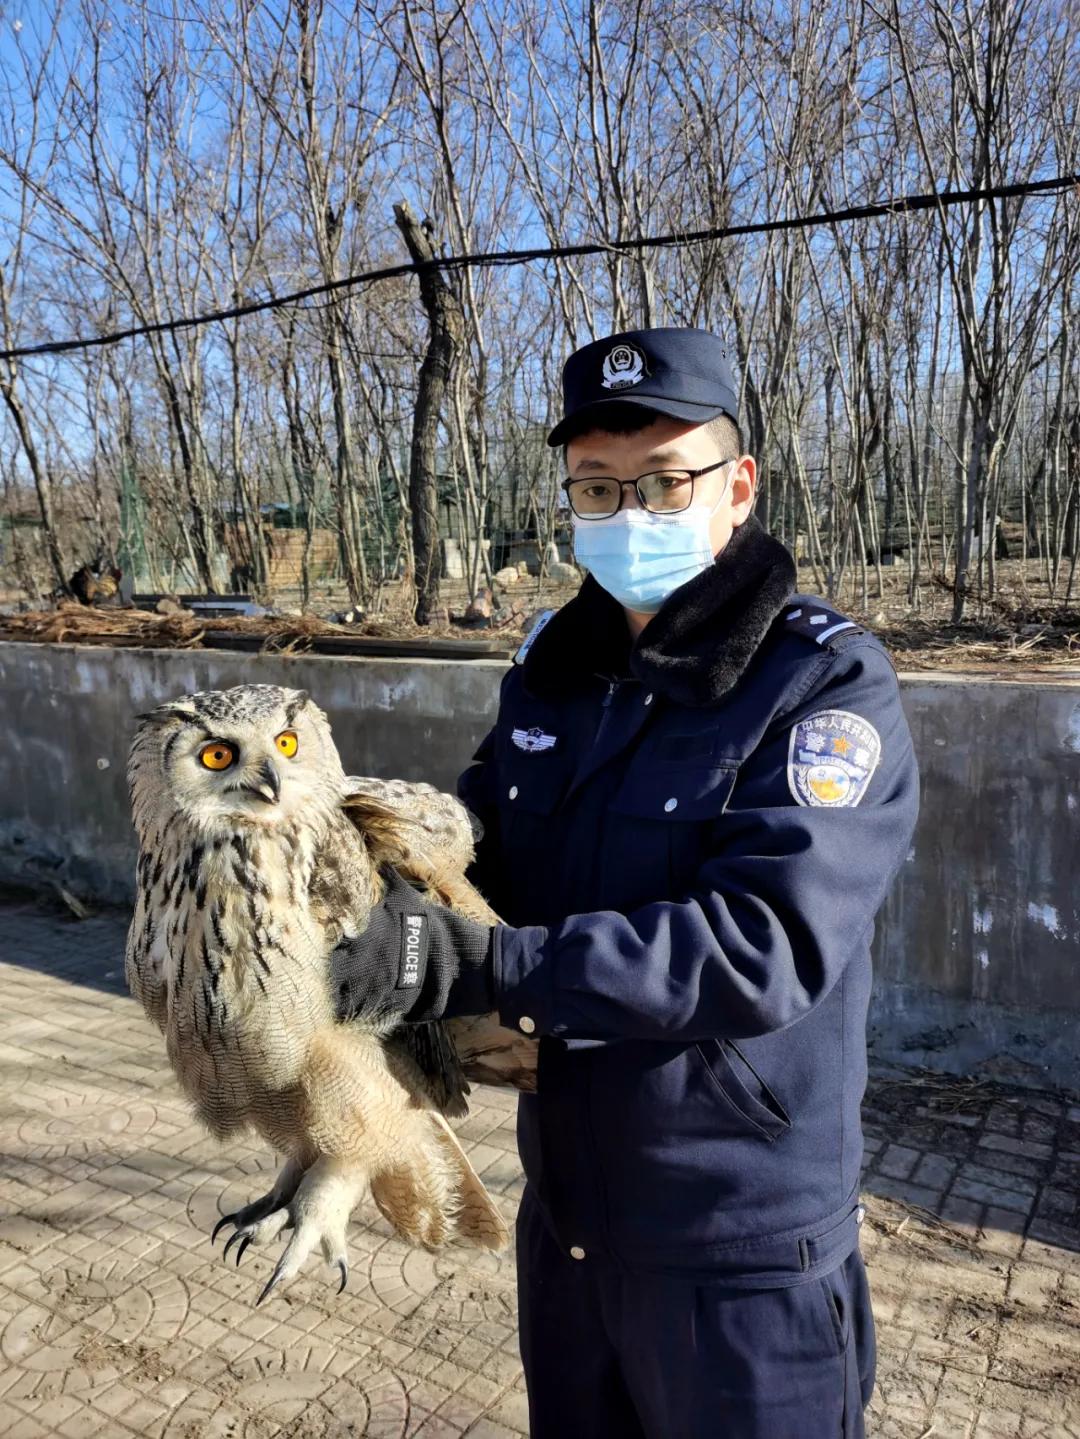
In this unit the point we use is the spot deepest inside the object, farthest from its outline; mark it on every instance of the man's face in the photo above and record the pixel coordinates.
(670, 444)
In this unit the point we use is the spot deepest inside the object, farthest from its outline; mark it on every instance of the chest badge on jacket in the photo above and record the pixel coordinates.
(831, 759)
(534, 740)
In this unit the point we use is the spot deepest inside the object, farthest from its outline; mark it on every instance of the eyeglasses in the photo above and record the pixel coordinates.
(664, 492)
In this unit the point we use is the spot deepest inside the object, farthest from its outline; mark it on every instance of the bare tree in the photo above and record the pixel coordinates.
(447, 324)
(909, 385)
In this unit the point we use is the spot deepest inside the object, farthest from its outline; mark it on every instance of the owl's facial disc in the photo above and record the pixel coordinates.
(259, 777)
(256, 756)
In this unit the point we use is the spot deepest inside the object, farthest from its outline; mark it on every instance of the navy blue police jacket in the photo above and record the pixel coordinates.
(688, 839)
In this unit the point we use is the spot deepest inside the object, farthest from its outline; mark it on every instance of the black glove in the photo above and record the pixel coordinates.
(415, 959)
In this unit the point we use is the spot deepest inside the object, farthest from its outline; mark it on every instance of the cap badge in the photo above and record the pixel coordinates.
(624, 366)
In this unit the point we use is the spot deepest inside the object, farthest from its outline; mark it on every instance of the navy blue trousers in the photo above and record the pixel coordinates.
(615, 1356)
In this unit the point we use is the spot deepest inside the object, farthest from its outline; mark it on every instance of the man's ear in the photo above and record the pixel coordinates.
(743, 488)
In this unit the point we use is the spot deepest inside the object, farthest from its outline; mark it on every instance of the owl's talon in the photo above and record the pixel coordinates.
(272, 1281)
(318, 1214)
(220, 1225)
(248, 1218)
(245, 1237)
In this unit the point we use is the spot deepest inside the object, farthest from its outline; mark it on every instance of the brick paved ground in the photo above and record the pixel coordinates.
(117, 1318)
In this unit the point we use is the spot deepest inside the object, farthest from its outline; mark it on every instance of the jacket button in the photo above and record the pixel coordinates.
(576, 1252)
(527, 1025)
(671, 804)
(513, 791)
(648, 699)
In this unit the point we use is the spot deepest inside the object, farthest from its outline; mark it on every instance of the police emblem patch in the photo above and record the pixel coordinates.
(831, 759)
(623, 366)
(534, 740)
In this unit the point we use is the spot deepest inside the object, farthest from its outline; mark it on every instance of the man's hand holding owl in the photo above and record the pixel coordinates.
(415, 959)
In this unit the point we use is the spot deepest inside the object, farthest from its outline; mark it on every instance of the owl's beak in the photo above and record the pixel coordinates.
(266, 782)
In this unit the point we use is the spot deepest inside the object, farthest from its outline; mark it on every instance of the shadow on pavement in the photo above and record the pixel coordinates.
(39, 935)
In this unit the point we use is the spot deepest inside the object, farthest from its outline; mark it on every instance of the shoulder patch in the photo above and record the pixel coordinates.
(832, 756)
(818, 622)
(527, 642)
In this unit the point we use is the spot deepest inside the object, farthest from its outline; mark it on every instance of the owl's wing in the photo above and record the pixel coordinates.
(432, 1050)
(427, 822)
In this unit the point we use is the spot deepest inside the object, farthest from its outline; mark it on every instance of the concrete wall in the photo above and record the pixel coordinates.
(979, 942)
(69, 716)
(977, 947)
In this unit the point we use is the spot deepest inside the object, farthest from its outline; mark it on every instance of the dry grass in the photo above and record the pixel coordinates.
(72, 623)
(1021, 627)
(984, 646)
(1019, 631)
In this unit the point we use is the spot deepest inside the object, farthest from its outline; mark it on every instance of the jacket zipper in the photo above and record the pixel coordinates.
(605, 710)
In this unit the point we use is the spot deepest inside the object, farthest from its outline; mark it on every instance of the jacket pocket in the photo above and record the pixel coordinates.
(832, 1290)
(675, 794)
(658, 829)
(532, 782)
(533, 785)
(533, 763)
(743, 1089)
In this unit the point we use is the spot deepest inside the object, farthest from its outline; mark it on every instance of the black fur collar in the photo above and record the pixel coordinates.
(693, 649)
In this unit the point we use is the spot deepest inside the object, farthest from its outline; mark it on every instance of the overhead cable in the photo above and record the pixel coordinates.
(908, 204)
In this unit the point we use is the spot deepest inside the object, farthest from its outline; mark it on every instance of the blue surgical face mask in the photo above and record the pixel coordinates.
(641, 558)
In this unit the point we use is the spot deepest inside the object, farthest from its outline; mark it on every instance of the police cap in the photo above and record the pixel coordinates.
(682, 373)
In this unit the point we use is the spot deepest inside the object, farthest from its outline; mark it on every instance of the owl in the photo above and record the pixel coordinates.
(258, 856)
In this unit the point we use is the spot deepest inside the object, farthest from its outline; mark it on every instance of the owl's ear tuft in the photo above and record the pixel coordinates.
(299, 699)
(166, 712)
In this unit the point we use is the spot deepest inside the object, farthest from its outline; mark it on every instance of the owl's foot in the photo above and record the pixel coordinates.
(317, 1212)
(249, 1219)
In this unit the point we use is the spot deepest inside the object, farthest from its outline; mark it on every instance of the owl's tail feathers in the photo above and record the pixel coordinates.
(476, 1218)
(436, 1195)
(412, 1197)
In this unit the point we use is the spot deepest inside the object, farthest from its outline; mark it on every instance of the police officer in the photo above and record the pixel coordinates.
(695, 796)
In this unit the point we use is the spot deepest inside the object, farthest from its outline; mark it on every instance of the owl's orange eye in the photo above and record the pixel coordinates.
(287, 743)
(217, 754)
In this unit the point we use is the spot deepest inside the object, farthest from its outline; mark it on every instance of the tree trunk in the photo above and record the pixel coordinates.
(447, 324)
(42, 482)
